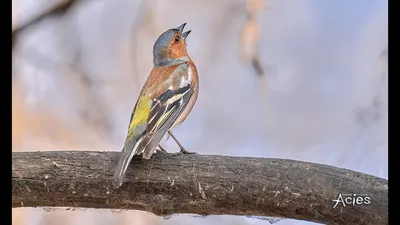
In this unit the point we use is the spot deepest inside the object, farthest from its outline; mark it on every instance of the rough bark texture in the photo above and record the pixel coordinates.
(197, 184)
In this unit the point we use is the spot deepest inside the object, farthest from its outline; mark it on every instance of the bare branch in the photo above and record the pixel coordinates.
(197, 184)
(57, 9)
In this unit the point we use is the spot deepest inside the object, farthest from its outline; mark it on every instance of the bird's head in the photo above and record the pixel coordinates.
(170, 46)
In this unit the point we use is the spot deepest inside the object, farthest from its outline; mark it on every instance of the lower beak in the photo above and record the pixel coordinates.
(184, 35)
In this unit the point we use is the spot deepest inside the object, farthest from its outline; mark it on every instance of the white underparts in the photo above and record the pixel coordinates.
(184, 82)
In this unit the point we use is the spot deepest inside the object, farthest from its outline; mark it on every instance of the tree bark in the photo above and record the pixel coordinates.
(198, 184)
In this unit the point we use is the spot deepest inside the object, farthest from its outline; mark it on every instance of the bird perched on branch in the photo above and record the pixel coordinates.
(165, 101)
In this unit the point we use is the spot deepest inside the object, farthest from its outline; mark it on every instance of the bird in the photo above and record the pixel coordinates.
(165, 101)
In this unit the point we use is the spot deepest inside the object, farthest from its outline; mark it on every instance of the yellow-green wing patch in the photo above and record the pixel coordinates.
(140, 115)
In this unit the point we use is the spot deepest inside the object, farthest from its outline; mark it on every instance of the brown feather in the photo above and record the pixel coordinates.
(157, 82)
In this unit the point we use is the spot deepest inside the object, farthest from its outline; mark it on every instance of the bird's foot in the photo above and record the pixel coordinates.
(184, 151)
(161, 149)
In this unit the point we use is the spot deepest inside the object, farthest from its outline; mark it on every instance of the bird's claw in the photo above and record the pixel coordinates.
(183, 152)
(161, 149)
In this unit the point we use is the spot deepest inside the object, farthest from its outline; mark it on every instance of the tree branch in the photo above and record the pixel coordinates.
(57, 9)
(197, 184)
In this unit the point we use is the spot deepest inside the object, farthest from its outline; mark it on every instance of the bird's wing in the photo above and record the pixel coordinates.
(169, 105)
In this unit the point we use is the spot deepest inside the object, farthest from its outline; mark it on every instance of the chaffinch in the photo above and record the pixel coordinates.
(164, 102)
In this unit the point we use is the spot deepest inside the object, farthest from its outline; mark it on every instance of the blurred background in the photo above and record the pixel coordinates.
(304, 80)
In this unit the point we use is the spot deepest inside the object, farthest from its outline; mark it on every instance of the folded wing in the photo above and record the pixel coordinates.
(165, 110)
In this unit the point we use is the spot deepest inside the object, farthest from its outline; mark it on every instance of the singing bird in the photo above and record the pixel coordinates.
(165, 101)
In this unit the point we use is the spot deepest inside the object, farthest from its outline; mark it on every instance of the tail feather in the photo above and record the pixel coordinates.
(129, 150)
(142, 144)
(150, 144)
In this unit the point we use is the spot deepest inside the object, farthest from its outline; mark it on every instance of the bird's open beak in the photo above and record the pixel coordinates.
(184, 35)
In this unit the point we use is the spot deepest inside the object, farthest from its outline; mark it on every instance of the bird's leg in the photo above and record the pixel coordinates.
(183, 150)
(161, 148)
(168, 135)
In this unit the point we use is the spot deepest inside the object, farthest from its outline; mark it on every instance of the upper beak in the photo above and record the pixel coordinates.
(180, 28)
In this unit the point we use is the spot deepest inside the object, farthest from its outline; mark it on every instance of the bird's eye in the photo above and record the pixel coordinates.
(177, 39)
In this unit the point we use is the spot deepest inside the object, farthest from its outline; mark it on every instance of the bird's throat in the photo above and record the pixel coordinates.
(171, 62)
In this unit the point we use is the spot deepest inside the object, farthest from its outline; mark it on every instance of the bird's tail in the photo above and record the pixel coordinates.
(129, 150)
